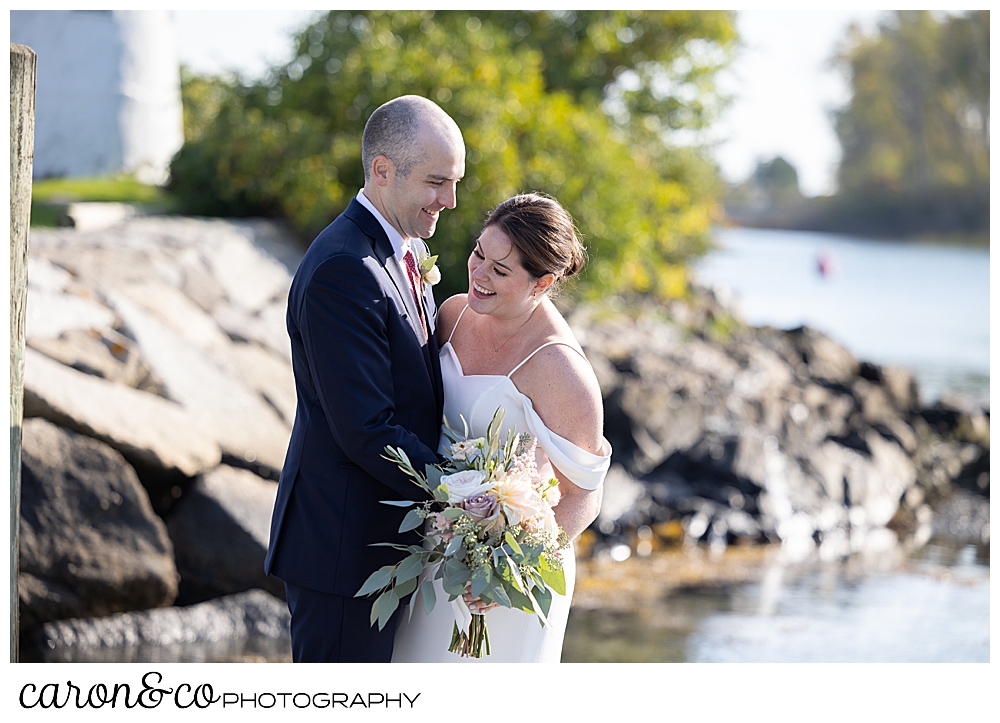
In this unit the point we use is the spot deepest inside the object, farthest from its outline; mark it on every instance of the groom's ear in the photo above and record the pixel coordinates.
(381, 168)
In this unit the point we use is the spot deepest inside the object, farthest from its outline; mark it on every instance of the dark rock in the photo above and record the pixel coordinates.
(90, 543)
(763, 435)
(824, 358)
(220, 530)
(249, 625)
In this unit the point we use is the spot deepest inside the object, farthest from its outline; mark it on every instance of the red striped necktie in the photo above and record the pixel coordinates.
(416, 286)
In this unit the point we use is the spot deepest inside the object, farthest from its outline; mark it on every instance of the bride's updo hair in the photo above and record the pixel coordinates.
(542, 232)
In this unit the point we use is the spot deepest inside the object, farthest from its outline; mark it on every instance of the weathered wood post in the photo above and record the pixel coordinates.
(22, 150)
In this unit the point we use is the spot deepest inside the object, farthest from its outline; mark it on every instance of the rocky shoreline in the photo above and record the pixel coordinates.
(159, 400)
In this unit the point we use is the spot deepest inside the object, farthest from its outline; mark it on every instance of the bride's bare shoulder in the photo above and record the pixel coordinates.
(564, 391)
(448, 313)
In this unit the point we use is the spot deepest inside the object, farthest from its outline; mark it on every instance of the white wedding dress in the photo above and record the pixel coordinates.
(515, 636)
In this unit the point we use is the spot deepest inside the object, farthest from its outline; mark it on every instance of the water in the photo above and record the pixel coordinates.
(932, 609)
(920, 306)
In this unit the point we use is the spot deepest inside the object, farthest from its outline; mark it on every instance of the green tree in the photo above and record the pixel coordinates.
(916, 129)
(577, 105)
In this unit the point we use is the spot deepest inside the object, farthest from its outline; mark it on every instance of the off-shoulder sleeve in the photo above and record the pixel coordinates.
(582, 468)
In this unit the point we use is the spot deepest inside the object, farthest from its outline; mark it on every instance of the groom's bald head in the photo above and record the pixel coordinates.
(394, 130)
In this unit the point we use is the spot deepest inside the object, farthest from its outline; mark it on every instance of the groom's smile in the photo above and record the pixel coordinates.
(415, 201)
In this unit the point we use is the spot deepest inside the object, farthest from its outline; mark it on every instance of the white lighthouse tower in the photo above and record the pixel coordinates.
(108, 91)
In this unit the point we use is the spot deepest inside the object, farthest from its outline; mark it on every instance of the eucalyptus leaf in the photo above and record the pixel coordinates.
(453, 513)
(498, 594)
(543, 596)
(376, 581)
(536, 606)
(555, 579)
(388, 603)
(454, 545)
(412, 521)
(518, 599)
(455, 573)
(515, 575)
(434, 475)
(481, 578)
(429, 596)
(409, 568)
(405, 588)
(398, 503)
(373, 616)
(516, 548)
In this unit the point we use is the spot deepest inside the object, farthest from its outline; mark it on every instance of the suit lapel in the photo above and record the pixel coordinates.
(387, 258)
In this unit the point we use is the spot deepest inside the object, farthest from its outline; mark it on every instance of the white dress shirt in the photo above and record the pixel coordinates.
(400, 246)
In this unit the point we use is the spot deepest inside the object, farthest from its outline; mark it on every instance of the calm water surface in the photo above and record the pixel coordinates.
(935, 609)
(921, 306)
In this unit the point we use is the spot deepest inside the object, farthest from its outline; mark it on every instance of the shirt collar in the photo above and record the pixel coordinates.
(399, 245)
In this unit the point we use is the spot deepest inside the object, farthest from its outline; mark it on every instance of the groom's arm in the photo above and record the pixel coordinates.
(345, 337)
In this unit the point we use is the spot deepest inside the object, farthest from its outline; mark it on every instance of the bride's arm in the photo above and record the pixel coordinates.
(565, 393)
(577, 507)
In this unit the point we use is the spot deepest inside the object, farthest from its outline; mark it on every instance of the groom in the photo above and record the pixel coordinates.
(367, 375)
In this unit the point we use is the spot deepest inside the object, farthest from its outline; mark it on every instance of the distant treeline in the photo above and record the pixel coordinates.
(915, 137)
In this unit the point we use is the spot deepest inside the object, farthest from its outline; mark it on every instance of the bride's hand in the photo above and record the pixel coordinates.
(477, 606)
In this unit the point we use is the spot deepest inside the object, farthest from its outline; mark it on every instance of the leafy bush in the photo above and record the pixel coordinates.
(577, 105)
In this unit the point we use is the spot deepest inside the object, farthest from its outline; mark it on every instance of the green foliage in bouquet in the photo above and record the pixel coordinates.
(491, 532)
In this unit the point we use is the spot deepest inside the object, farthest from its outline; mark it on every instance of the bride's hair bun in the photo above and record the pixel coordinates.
(543, 233)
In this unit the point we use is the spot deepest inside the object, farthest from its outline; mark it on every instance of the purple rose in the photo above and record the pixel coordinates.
(484, 509)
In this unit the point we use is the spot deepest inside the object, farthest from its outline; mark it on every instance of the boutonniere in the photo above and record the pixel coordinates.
(427, 264)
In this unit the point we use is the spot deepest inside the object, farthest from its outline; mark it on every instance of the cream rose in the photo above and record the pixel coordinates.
(465, 484)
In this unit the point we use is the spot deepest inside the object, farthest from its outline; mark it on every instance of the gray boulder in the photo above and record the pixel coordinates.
(90, 543)
(147, 429)
(252, 263)
(102, 353)
(220, 529)
(50, 313)
(265, 327)
(246, 426)
(269, 374)
(252, 625)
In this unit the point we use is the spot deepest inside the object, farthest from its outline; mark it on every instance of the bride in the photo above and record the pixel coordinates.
(504, 343)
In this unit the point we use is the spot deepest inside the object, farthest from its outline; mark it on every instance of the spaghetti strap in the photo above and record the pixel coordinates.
(456, 323)
(548, 343)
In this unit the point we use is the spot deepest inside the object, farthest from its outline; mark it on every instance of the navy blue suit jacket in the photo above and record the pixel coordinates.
(363, 381)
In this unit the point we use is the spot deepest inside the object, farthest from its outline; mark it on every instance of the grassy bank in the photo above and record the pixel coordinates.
(50, 196)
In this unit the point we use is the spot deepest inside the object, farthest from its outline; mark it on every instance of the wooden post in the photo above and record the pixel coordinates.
(22, 151)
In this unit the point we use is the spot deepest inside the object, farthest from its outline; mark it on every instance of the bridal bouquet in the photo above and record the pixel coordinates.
(489, 528)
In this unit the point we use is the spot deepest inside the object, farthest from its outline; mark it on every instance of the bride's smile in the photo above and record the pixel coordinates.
(499, 285)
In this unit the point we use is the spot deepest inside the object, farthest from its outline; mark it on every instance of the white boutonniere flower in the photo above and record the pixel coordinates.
(427, 264)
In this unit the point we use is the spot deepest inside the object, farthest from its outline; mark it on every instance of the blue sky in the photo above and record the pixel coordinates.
(783, 85)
